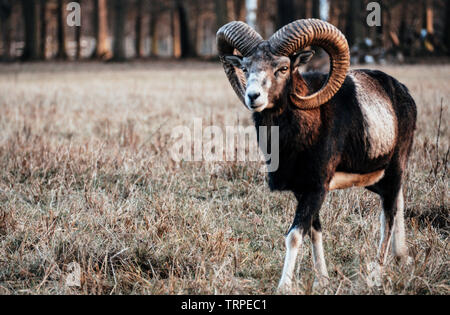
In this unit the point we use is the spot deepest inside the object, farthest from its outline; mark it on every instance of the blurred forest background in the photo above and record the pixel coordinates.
(130, 29)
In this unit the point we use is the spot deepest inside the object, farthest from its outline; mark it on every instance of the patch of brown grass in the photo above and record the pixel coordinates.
(85, 176)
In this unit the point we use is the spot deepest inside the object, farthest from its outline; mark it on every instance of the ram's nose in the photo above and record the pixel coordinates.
(253, 96)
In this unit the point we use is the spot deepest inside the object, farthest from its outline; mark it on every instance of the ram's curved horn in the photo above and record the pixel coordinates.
(307, 32)
(243, 38)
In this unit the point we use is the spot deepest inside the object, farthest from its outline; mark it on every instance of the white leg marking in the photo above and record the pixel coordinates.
(293, 244)
(319, 257)
(399, 248)
(385, 238)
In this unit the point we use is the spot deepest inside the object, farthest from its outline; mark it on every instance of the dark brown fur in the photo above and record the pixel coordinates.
(314, 144)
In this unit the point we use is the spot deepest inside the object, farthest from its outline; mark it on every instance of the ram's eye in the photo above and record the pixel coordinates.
(244, 69)
(283, 70)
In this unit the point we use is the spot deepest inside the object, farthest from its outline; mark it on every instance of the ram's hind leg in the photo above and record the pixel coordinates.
(393, 226)
(399, 248)
(386, 224)
(392, 216)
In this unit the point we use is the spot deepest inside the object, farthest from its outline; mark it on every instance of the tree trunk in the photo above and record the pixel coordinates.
(43, 18)
(403, 29)
(430, 40)
(429, 16)
(354, 25)
(30, 51)
(221, 10)
(447, 27)
(263, 17)
(138, 29)
(315, 13)
(286, 12)
(100, 25)
(154, 29)
(300, 10)
(239, 9)
(5, 27)
(78, 42)
(195, 34)
(120, 8)
(187, 33)
(338, 14)
(61, 32)
(334, 12)
(176, 30)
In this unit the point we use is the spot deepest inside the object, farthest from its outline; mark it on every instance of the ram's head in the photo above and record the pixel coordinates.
(264, 72)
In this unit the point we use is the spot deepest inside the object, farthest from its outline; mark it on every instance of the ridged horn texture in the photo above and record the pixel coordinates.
(239, 36)
(307, 32)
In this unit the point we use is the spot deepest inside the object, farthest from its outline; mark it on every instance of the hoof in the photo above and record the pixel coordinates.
(321, 282)
(408, 260)
(284, 288)
(404, 260)
(374, 271)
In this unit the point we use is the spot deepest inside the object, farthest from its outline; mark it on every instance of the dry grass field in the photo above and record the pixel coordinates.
(86, 177)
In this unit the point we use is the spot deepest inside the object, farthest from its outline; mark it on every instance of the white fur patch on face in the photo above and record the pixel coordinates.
(257, 83)
(379, 117)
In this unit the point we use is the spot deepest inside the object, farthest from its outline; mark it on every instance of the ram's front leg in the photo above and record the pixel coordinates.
(309, 204)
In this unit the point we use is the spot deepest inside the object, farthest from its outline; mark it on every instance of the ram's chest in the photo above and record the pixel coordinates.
(379, 120)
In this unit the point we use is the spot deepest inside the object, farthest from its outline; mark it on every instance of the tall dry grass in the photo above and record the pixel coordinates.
(85, 177)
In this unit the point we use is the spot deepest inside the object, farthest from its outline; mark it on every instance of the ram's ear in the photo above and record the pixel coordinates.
(298, 85)
(234, 60)
(302, 58)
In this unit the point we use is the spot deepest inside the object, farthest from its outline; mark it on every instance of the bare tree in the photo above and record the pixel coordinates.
(154, 11)
(188, 30)
(120, 13)
(354, 25)
(286, 12)
(61, 30)
(100, 20)
(176, 30)
(221, 10)
(31, 51)
(5, 28)
(239, 10)
(43, 20)
(138, 28)
(429, 19)
(315, 12)
(447, 27)
(195, 33)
